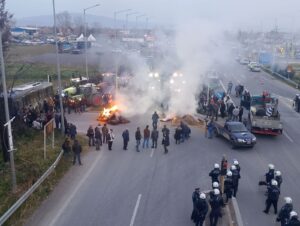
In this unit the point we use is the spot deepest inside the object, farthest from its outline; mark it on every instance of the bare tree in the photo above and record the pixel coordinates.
(78, 25)
(64, 21)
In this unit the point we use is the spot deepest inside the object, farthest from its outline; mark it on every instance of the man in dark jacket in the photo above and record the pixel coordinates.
(104, 133)
(241, 112)
(155, 118)
(228, 186)
(216, 202)
(76, 148)
(177, 135)
(98, 138)
(278, 178)
(284, 213)
(235, 179)
(215, 173)
(166, 138)
(125, 136)
(73, 131)
(90, 134)
(270, 174)
(201, 210)
(66, 146)
(138, 137)
(154, 138)
(293, 221)
(195, 199)
(273, 196)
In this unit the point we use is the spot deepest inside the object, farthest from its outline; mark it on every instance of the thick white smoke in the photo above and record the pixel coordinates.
(197, 48)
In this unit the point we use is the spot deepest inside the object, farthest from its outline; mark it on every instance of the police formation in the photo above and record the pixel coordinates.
(225, 183)
(273, 180)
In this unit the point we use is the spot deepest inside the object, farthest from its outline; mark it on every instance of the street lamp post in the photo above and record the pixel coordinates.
(8, 120)
(85, 40)
(136, 20)
(127, 15)
(58, 72)
(115, 46)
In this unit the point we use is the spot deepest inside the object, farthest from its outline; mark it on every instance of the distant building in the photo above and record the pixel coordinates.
(23, 31)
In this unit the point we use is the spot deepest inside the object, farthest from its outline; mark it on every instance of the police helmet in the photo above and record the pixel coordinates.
(202, 196)
(271, 166)
(229, 173)
(235, 162)
(215, 184)
(216, 166)
(288, 200)
(277, 173)
(233, 167)
(274, 183)
(216, 191)
(293, 214)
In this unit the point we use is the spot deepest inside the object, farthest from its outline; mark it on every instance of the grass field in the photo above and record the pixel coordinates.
(30, 165)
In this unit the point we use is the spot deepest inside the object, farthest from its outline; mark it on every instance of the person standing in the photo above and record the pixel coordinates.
(125, 136)
(235, 179)
(195, 199)
(76, 148)
(230, 111)
(273, 196)
(241, 112)
(229, 87)
(98, 138)
(104, 133)
(235, 113)
(146, 137)
(278, 178)
(155, 118)
(138, 137)
(66, 147)
(228, 186)
(201, 210)
(154, 138)
(166, 138)
(237, 165)
(216, 202)
(224, 165)
(177, 135)
(284, 213)
(90, 134)
(270, 174)
(73, 131)
(215, 173)
(110, 139)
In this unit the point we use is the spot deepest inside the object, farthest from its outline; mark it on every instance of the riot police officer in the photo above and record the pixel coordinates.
(235, 179)
(215, 185)
(293, 221)
(237, 165)
(201, 210)
(270, 174)
(195, 198)
(278, 178)
(273, 196)
(284, 213)
(228, 186)
(216, 202)
(215, 173)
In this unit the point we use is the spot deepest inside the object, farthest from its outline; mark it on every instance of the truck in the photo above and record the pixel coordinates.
(234, 132)
(264, 117)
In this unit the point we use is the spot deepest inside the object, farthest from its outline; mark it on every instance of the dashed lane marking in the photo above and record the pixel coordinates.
(288, 137)
(135, 210)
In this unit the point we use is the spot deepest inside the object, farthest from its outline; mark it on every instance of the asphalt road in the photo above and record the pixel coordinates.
(119, 187)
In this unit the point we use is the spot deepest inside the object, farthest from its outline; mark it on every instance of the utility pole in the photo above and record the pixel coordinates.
(8, 120)
(58, 74)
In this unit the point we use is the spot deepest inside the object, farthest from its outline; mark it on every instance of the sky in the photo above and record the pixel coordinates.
(254, 14)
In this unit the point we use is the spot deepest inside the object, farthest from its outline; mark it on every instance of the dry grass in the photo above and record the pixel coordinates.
(30, 165)
(17, 53)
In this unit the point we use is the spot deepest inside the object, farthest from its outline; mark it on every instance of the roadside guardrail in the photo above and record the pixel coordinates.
(25, 196)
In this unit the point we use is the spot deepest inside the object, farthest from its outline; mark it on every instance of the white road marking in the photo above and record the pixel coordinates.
(152, 152)
(135, 210)
(288, 137)
(73, 193)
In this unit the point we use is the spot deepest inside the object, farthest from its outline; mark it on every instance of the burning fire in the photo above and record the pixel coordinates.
(107, 113)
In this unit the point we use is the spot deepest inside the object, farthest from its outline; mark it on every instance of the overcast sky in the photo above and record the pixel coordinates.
(251, 14)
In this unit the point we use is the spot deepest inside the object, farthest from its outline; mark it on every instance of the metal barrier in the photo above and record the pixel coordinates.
(281, 77)
(25, 196)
